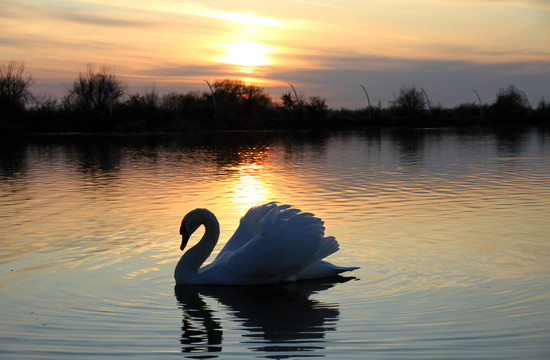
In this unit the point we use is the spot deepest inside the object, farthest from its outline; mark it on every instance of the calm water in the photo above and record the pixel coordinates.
(451, 230)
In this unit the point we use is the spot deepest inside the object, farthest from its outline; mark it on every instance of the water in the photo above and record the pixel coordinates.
(450, 229)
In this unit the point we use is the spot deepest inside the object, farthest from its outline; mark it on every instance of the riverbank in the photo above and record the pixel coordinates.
(127, 120)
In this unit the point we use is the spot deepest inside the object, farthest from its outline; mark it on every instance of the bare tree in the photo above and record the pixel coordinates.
(95, 89)
(14, 85)
(410, 100)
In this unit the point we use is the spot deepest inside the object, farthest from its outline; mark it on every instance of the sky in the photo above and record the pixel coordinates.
(325, 48)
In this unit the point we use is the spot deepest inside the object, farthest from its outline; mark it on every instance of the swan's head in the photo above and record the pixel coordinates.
(191, 223)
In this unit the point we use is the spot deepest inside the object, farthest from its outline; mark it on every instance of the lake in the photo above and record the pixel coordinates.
(451, 229)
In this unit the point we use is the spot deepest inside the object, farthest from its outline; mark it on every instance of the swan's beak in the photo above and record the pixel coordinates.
(184, 239)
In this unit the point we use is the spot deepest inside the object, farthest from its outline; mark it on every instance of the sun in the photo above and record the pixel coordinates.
(246, 54)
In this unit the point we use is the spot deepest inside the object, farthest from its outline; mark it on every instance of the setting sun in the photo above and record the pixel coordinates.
(246, 53)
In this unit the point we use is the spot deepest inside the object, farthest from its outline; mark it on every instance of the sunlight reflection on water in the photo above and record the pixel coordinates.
(449, 228)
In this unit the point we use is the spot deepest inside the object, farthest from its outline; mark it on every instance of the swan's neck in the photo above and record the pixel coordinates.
(197, 255)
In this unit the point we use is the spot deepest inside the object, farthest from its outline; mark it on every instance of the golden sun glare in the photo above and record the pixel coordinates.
(246, 54)
(249, 189)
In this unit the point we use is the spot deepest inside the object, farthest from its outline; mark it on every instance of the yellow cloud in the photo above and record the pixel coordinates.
(196, 9)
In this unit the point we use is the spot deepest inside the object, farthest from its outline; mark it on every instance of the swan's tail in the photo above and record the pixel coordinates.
(341, 269)
(321, 269)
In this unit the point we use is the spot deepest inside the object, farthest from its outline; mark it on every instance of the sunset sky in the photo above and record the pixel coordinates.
(324, 48)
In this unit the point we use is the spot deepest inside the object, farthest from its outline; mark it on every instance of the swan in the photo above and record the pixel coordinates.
(273, 243)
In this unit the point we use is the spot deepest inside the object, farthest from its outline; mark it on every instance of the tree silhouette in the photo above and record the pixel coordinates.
(237, 99)
(237, 90)
(14, 86)
(511, 103)
(317, 104)
(90, 92)
(410, 100)
(287, 101)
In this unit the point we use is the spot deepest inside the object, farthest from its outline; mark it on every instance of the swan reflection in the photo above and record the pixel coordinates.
(276, 319)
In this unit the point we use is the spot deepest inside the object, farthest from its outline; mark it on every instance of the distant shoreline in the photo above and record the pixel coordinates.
(100, 104)
(30, 122)
(328, 125)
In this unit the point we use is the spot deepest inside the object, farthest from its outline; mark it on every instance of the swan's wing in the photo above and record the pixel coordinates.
(288, 242)
(250, 225)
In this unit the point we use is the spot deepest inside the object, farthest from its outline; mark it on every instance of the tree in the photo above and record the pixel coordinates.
(410, 100)
(317, 105)
(511, 103)
(14, 85)
(287, 101)
(241, 99)
(237, 90)
(91, 91)
(189, 104)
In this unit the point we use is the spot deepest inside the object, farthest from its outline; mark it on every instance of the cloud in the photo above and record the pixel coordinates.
(174, 70)
(196, 9)
(536, 4)
(319, 3)
(9, 41)
(111, 16)
(99, 19)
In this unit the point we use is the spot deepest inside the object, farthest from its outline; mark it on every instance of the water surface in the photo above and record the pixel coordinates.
(450, 229)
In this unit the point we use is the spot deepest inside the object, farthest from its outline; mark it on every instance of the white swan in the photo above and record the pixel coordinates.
(273, 243)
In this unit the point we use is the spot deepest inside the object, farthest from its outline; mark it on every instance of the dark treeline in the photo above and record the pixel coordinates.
(98, 101)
